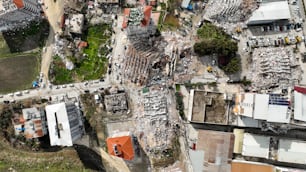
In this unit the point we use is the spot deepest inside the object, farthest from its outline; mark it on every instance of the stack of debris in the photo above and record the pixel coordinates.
(155, 132)
(274, 67)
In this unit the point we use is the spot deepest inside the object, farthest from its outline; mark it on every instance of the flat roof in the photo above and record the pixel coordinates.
(244, 104)
(255, 146)
(270, 11)
(185, 3)
(197, 160)
(292, 151)
(217, 146)
(261, 106)
(58, 125)
(299, 106)
(238, 140)
(243, 166)
(244, 121)
(278, 113)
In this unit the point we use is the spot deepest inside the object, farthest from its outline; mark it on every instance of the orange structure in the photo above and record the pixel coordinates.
(251, 167)
(19, 3)
(121, 147)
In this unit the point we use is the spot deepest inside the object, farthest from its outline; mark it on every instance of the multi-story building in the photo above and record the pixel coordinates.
(17, 12)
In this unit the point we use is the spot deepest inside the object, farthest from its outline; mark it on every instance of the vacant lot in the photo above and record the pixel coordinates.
(17, 72)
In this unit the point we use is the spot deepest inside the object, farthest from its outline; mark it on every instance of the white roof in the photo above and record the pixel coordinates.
(185, 3)
(261, 106)
(255, 146)
(299, 106)
(292, 151)
(270, 11)
(58, 119)
(244, 121)
(278, 113)
(246, 104)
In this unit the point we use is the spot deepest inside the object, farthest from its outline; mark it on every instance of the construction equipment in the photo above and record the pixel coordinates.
(209, 69)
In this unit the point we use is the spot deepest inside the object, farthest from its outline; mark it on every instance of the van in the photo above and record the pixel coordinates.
(18, 93)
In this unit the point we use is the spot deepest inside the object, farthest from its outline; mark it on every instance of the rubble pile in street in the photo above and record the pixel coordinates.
(274, 67)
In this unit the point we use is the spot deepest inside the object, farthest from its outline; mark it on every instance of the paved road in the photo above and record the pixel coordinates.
(71, 90)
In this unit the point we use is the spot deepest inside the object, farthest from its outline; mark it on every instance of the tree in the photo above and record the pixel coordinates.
(233, 66)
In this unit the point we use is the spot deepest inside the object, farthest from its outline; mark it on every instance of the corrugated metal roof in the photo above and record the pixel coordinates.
(292, 151)
(278, 113)
(299, 106)
(270, 11)
(64, 124)
(255, 146)
(261, 106)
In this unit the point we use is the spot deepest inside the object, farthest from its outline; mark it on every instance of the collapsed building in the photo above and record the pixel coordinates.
(277, 67)
(154, 129)
(137, 22)
(14, 13)
(116, 102)
(229, 10)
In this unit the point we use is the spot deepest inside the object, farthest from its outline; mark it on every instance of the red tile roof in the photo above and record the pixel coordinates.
(18, 3)
(124, 147)
(83, 44)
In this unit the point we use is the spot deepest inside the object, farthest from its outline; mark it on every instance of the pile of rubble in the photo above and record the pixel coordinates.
(115, 102)
(155, 131)
(274, 67)
(229, 10)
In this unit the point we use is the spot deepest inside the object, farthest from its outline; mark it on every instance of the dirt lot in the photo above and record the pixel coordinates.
(209, 107)
(215, 113)
(18, 72)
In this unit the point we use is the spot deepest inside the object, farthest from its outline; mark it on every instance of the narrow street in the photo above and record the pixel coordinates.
(54, 11)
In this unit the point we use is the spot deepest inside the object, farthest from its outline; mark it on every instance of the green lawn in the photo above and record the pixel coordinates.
(18, 71)
(93, 66)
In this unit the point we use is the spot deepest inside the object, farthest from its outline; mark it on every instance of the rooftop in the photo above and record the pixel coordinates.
(32, 123)
(64, 124)
(292, 151)
(243, 166)
(217, 147)
(256, 146)
(269, 11)
(300, 103)
(121, 147)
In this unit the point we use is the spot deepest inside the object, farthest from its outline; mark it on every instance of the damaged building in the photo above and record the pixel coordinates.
(116, 102)
(14, 13)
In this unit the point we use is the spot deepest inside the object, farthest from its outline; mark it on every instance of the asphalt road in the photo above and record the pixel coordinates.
(71, 90)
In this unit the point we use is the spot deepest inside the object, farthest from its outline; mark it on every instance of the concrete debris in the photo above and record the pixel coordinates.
(155, 131)
(115, 102)
(274, 67)
(229, 10)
